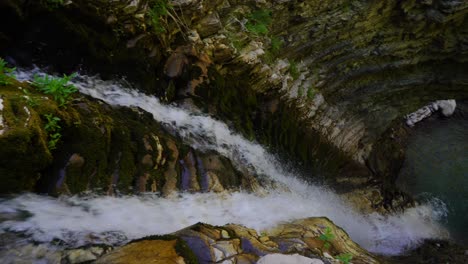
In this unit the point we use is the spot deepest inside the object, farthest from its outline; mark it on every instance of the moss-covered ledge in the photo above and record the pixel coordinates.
(87, 145)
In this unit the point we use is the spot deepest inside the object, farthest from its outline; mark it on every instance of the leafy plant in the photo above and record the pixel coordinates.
(294, 70)
(57, 87)
(259, 21)
(327, 237)
(157, 14)
(5, 72)
(52, 128)
(345, 258)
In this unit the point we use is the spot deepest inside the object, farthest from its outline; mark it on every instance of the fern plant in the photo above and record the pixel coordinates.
(5, 72)
(59, 88)
(259, 21)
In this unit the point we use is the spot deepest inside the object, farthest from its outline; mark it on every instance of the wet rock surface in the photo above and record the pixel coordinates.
(101, 148)
(202, 243)
(334, 93)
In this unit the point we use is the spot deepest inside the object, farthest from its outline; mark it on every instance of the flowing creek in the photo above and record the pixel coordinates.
(81, 220)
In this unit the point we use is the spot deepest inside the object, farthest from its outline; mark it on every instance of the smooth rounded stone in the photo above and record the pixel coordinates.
(446, 107)
(224, 234)
(76, 160)
(132, 7)
(287, 259)
(175, 64)
(80, 255)
(30, 254)
(228, 248)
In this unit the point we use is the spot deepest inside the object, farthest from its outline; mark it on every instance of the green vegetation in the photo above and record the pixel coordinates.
(157, 14)
(311, 93)
(259, 21)
(294, 70)
(300, 92)
(273, 51)
(275, 45)
(56, 2)
(57, 87)
(238, 41)
(5, 72)
(52, 128)
(29, 99)
(327, 237)
(345, 258)
(53, 4)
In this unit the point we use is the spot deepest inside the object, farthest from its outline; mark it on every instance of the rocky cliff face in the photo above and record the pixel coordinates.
(324, 81)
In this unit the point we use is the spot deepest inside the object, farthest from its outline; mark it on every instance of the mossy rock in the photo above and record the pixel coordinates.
(100, 148)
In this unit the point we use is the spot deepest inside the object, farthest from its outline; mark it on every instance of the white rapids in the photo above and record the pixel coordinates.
(73, 219)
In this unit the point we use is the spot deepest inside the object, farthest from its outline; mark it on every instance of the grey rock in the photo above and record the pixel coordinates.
(209, 25)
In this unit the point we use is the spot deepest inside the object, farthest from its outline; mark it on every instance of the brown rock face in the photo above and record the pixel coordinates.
(202, 243)
(147, 251)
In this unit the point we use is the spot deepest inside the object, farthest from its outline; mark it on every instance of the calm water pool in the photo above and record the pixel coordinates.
(436, 165)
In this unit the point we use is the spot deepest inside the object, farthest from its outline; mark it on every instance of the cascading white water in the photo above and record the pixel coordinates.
(72, 219)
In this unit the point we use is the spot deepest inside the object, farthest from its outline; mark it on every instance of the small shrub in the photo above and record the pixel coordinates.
(259, 21)
(327, 237)
(345, 258)
(52, 128)
(57, 87)
(5, 72)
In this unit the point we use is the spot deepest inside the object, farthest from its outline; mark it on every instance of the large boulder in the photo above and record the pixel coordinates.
(316, 239)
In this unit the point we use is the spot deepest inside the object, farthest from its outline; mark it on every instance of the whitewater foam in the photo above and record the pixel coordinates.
(103, 219)
(73, 219)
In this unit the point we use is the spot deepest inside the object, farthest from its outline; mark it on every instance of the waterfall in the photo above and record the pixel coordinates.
(112, 219)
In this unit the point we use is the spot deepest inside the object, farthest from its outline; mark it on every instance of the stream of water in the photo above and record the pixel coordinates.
(79, 220)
